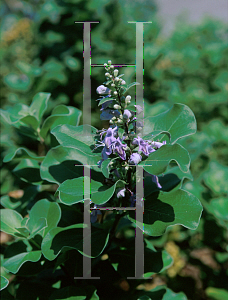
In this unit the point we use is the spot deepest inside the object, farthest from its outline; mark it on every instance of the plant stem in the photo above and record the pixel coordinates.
(35, 243)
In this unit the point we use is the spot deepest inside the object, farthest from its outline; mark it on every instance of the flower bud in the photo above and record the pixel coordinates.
(109, 62)
(123, 82)
(127, 99)
(115, 93)
(105, 65)
(121, 192)
(102, 90)
(119, 121)
(116, 106)
(113, 84)
(111, 122)
(116, 72)
(112, 67)
(117, 79)
(107, 74)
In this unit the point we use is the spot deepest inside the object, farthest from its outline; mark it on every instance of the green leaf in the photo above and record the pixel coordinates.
(72, 191)
(78, 137)
(36, 228)
(105, 167)
(21, 153)
(13, 114)
(155, 262)
(18, 82)
(160, 159)
(121, 132)
(91, 293)
(162, 210)
(130, 85)
(216, 178)
(39, 105)
(8, 202)
(216, 294)
(43, 210)
(28, 69)
(105, 100)
(61, 115)
(29, 171)
(169, 295)
(14, 263)
(23, 231)
(219, 207)
(71, 237)
(59, 164)
(68, 293)
(72, 63)
(4, 282)
(10, 220)
(179, 121)
(31, 122)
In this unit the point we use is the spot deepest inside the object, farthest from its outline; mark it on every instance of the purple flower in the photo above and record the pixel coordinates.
(155, 180)
(102, 90)
(135, 158)
(144, 147)
(106, 152)
(108, 114)
(121, 192)
(138, 108)
(109, 137)
(119, 148)
(158, 144)
(127, 114)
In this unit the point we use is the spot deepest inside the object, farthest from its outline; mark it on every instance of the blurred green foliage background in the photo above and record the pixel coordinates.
(42, 51)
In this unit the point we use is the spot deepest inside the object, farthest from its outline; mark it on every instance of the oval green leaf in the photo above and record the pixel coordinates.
(179, 121)
(162, 210)
(158, 161)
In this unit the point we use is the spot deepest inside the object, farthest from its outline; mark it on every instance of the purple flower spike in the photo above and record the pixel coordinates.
(155, 180)
(108, 114)
(119, 148)
(135, 158)
(102, 90)
(121, 192)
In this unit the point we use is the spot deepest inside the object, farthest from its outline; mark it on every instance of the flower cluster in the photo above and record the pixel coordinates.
(120, 139)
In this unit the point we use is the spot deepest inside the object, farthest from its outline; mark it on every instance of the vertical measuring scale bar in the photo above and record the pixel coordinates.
(86, 131)
(139, 242)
